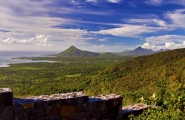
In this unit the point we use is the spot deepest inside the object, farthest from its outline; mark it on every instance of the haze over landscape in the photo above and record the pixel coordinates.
(94, 25)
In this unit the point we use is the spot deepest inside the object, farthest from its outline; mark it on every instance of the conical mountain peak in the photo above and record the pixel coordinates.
(72, 51)
(72, 47)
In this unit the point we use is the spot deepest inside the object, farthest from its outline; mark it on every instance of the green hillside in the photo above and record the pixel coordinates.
(157, 79)
(141, 76)
(108, 54)
(73, 52)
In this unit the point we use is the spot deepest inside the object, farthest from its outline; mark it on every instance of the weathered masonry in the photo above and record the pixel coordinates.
(68, 106)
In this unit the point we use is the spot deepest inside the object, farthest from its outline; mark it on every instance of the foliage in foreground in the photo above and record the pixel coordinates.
(168, 108)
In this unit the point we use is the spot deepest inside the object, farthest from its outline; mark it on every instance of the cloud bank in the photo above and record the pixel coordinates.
(94, 24)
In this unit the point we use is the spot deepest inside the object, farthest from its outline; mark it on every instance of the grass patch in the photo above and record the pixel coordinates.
(75, 75)
(21, 68)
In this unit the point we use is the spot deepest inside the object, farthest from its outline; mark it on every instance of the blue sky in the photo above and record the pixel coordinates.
(94, 25)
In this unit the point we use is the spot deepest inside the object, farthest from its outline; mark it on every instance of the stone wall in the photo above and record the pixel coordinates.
(69, 106)
(6, 104)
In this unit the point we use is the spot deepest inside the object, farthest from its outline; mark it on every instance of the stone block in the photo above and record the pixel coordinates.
(20, 113)
(74, 116)
(55, 117)
(66, 110)
(52, 102)
(109, 102)
(7, 114)
(41, 104)
(92, 114)
(80, 100)
(80, 108)
(101, 108)
(51, 110)
(6, 104)
(28, 105)
(34, 114)
(91, 106)
(2, 107)
(83, 119)
(72, 101)
(83, 115)
(6, 96)
(1, 98)
(62, 102)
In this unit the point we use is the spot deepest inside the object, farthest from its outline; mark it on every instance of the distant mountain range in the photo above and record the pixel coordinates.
(72, 51)
(141, 51)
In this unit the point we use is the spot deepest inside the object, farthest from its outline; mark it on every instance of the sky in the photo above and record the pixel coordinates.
(93, 25)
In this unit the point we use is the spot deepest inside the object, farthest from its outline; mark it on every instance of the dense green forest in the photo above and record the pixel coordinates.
(66, 75)
(154, 79)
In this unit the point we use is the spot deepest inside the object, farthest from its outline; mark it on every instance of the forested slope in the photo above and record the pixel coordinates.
(141, 76)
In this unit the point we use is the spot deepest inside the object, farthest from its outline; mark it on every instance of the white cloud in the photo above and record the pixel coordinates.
(103, 39)
(177, 17)
(33, 26)
(95, 1)
(155, 40)
(167, 45)
(39, 39)
(74, 2)
(114, 1)
(146, 45)
(164, 42)
(154, 2)
(157, 22)
(119, 43)
(161, 2)
(107, 48)
(171, 21)
(180, 2)
(170, 44)
(130, 30)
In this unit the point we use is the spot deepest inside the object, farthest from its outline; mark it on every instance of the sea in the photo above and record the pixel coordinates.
(6, 56)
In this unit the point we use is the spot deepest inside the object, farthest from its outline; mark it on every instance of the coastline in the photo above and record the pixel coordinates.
(14, 57)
